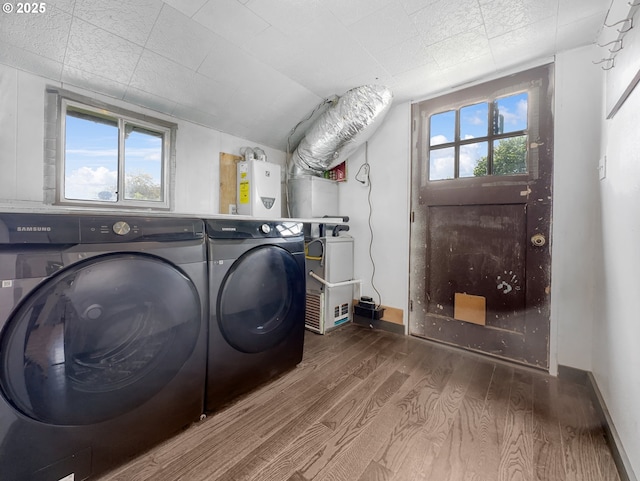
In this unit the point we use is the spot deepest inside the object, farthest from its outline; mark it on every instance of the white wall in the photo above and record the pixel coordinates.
(616, 340)
(22, 113)
(390, 162)
(575, 244)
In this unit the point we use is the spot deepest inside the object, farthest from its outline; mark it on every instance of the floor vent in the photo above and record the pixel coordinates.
(313, 314)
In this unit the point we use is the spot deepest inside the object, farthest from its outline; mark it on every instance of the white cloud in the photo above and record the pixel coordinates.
(439, 139)
(86, 183)
(470, 154)
(441, 164)
(519, 117)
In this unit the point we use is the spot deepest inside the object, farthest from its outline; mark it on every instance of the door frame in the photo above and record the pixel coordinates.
(507, 187)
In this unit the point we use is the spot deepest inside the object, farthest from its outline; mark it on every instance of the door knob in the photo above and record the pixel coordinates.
(538, 240)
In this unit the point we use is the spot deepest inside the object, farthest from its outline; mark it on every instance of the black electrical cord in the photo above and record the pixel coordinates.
(368, 179)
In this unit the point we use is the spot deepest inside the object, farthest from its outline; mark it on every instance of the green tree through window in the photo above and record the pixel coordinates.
(509, 157)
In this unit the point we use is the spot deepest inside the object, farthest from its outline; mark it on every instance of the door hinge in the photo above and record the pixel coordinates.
(410, 305)
(412, 217)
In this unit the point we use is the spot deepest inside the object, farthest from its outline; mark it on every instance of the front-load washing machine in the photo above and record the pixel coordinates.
(102, 339)
(257, 304)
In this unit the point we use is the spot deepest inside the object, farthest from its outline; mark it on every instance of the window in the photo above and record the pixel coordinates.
(480, 139)
(113, 158)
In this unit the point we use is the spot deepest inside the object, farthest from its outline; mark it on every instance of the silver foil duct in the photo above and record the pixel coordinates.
(340, 130)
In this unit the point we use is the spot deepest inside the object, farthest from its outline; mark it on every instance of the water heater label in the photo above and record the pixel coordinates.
(244, 192)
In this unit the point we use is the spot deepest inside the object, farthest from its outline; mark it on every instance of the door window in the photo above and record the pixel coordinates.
(459, 139)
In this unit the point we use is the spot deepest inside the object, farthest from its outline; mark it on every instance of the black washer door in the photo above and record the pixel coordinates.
(261, 299)
(98, 339)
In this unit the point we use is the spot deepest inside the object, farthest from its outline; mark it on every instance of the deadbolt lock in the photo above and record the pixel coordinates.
(538, 240)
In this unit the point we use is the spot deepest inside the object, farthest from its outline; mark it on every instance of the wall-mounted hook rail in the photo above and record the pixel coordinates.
(610, 43)
(616, 50)
(612, 50)
(611, 65)
(621, 30)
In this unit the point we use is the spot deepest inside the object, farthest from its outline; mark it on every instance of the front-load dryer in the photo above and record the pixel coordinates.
(257, 304)
(102, 339)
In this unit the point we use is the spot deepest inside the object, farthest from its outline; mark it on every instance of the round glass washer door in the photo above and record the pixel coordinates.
(98, 339)
(261, 299)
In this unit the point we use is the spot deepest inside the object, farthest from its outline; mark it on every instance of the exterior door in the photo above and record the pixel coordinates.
(481, 212)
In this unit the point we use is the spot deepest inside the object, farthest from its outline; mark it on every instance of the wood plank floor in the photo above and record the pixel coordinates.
(371, 405)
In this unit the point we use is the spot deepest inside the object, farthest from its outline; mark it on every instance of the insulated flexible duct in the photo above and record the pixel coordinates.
(341, 129)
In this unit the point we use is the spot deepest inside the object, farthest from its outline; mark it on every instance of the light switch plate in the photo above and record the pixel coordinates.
(602, 167)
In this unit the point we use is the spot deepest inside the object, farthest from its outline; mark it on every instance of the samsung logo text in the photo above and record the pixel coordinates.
(33, 229)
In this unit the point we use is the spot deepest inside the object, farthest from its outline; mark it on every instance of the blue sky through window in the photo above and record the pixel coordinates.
(91, 158)
(474, 123)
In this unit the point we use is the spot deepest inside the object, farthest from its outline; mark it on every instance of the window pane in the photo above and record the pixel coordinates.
(442, 164)
(142, 164)
(510, 113)
(442, 128)
(473, 159)
(510, 156)
(474, 120)
(91, 157)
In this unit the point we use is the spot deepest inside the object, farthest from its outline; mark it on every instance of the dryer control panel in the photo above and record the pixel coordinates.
(249, 229)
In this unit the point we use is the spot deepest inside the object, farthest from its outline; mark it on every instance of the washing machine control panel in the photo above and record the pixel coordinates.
(265, 228)
(121, 228)
(139, 229)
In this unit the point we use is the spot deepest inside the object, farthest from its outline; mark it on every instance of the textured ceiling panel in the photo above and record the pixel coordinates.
(541, 34)
(445, 18)
(408, 55)
(118, 57)
(352, 11)
(229, 19)
(30, 62)
(502, 16)
(295, 18)
(162, 77)
(273, 47)
(571, 11)
(461, 48)
(255, 68)
(43, 34)
(188, 7)
(385, 28)
(131, 20)
(180, 39)
(94, 82)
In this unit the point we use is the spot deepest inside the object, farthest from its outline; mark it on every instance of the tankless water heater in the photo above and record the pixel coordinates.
(258, 189)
